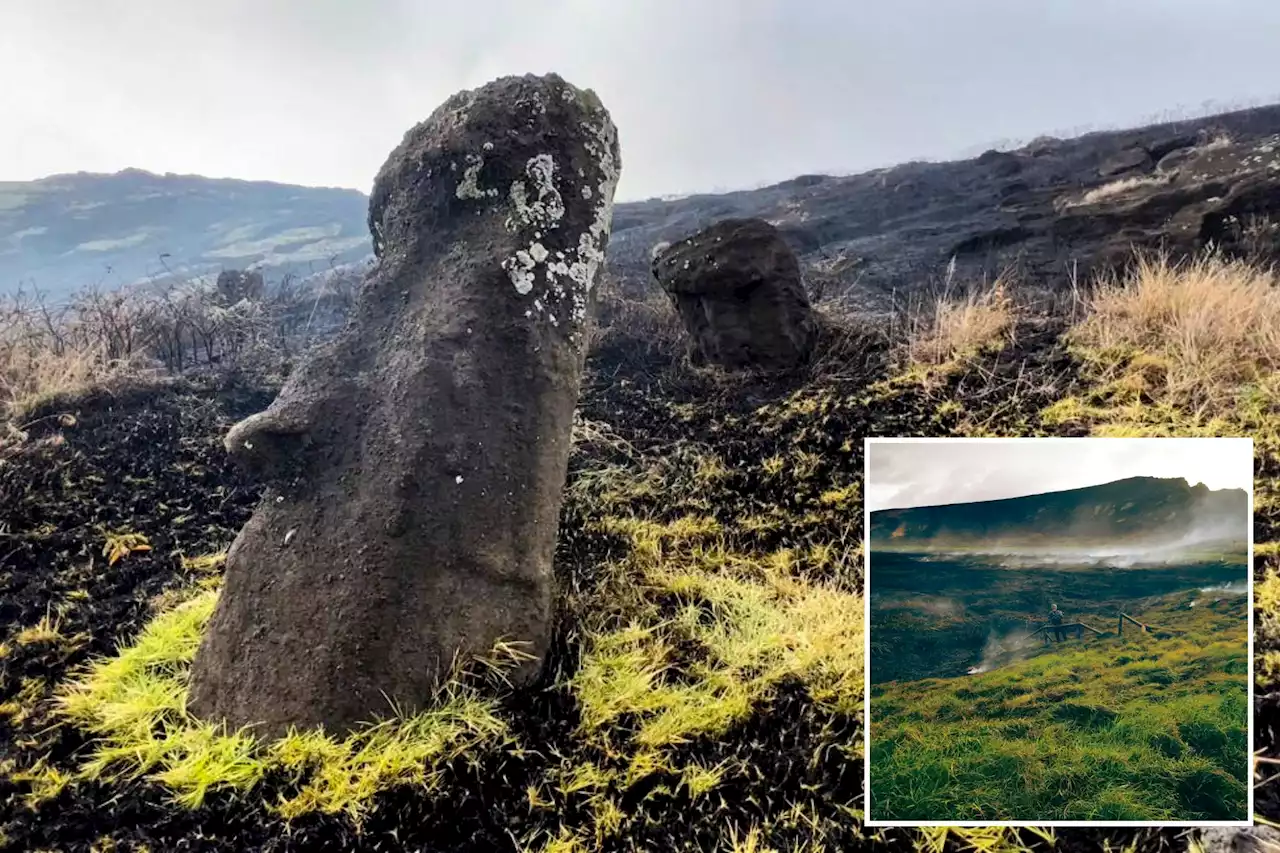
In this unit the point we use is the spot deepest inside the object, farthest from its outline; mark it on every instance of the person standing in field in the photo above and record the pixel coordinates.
(1055, 619)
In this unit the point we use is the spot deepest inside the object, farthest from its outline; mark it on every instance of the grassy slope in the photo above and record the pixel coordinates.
(1110, 728)
(746, 719)
(940, 617)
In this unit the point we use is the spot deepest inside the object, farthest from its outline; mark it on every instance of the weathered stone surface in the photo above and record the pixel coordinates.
(1253, 839)
(739, 292)
(1217, 194)
(416, 463)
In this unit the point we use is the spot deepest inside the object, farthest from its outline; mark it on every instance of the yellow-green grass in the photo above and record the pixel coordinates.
(692, 630)
(643, 696)
(1138, 728)
(1266, 595)
(751, 618)
(135, 703)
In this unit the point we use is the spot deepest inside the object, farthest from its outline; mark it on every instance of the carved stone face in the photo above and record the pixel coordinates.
(416, 463)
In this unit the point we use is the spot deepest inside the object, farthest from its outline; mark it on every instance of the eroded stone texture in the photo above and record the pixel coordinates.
(415, 465)
(738, 289)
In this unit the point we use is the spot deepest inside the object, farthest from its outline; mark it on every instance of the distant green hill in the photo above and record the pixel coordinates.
(66, 232)
(1140, 512)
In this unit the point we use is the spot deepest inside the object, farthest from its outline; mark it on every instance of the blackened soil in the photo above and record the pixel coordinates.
(151, 462)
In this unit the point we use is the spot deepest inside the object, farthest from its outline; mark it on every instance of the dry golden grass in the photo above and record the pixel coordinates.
(1198, 336)
(34, 370)
(960, 328)
(1116, 188)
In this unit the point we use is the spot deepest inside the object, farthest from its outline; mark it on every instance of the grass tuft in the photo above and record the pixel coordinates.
(960, 329)
(135, 702)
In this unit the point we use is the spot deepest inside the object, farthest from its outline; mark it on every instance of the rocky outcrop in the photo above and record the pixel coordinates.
(1129, 160)
(416, 463)
(738, 290)
(1221, 193)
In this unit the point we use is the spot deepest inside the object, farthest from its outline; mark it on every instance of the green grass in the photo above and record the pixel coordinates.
(1134, 728)
(135, 703)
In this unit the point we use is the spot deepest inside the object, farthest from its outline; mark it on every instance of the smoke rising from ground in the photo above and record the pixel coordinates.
(1001, 650)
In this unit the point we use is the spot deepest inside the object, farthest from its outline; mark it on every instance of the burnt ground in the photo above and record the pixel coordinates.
(150, 461)
(1022, 210)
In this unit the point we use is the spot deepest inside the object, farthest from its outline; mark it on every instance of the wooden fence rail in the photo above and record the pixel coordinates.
(1077, 628)
(1146, 629)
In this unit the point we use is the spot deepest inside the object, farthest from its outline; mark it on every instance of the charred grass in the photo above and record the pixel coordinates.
(704, 691)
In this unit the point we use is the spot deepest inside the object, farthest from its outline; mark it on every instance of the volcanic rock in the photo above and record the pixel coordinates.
(739, 292)
(415, 464)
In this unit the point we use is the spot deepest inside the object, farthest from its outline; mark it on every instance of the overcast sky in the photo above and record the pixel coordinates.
(708, 94)
(928, 473)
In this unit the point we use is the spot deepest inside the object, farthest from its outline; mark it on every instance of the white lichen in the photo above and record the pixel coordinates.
(469, 187)
(571, 275)
(544, 212)
(520, 269)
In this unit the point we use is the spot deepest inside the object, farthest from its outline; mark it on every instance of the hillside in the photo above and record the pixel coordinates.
(706, 685)
(1109, 728)
(1164, 516)
(66, 232)
(942, 617)
(1050, 208)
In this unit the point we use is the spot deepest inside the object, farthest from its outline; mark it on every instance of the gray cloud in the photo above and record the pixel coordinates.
(713, 94)
(927, 473)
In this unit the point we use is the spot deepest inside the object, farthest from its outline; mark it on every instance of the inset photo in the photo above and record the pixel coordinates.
(1059, 631)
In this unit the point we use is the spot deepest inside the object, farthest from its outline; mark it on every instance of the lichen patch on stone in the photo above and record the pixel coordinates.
(520, 269)
(469, 187)
(547, 209)
(580, 263)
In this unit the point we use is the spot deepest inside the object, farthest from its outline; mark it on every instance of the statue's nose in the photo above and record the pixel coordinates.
(267, 443)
